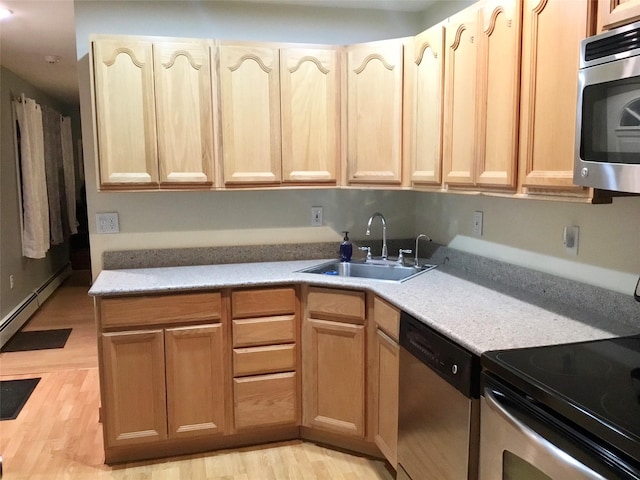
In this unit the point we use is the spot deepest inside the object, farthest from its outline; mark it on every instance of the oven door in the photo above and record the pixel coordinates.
(519, 442)
(608, 126)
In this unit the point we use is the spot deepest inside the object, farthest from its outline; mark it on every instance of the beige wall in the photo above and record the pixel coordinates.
(529, 233)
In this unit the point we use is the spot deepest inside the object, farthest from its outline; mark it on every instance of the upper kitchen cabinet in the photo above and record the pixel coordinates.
(154, 113)
(499, 93)
(482, 66)
(460, 93)
(250, 110)
(183, 82)
(310, 108)
(552, 30)
(614, 13)
(374, 112)
(423, 86)
(125, 113)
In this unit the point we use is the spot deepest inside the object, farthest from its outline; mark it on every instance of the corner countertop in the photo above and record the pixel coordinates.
(478, 313)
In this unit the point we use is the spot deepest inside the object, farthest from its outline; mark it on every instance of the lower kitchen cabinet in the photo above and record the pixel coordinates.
(163, 384)
(195, 380)
(333, 361)
(134, 395)
(384, 361)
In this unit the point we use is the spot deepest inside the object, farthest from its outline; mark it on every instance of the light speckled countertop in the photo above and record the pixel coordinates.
(479, 313)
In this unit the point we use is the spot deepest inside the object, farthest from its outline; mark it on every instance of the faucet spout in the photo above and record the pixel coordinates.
(384, 232)
(422, 235)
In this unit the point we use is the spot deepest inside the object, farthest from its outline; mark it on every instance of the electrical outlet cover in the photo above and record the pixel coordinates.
(107, 223)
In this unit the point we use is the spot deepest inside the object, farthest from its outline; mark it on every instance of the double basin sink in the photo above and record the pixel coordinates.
(377, 270)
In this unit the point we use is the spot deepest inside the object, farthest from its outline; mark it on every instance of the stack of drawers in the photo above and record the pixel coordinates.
(265, 380)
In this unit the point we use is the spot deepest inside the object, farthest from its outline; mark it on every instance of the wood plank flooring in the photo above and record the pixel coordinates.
(58, 436)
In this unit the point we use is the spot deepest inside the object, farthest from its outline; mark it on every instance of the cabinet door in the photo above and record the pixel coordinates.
(125, 112)
(551, 32)
(133, 391)
(310, 96)
(183, 79)
(427, 77)
(460, 97)
(333, 381)
(250, 103)
(386, 380)
(195, 380)
(374, 112)
(499, 95)
(614, 13)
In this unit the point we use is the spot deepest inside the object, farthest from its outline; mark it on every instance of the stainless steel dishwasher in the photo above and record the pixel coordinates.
(438, 418)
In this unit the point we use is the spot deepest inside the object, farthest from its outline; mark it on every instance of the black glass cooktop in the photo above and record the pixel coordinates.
(595, 384)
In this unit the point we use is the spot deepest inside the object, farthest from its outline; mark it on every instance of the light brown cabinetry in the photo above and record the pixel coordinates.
(384, 378)
(125, 112)
(250, 113)
(265, 378)
(164, 383)
(614, 13)
(424, 78)
(482, 66)
(154, 112)
(333, 361)
(551, 32)
(310, 108)
(374, 112)
(184, 85)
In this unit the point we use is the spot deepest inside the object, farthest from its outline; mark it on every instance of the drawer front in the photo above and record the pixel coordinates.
(263, 302)
(387, 317)
(260, 360)
(326, 303)
(265, 400)
(252, 332)
(156, 309)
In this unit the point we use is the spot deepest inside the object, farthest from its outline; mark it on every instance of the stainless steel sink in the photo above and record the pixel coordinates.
(389, 271)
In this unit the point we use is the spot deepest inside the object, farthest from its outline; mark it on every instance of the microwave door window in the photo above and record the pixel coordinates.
(611, 122)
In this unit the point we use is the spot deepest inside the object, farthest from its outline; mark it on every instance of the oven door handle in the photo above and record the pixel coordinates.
(544, 447)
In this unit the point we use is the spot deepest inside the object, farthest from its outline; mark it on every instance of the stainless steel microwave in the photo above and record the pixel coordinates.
(608, 116)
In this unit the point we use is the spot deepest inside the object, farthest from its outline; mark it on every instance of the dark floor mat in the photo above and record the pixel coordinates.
(37, 340)
(13, 395)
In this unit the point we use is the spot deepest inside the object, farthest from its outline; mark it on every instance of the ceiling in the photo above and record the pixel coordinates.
(41, 28)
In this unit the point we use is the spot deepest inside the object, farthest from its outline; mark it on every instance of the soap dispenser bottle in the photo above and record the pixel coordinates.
(346, 249)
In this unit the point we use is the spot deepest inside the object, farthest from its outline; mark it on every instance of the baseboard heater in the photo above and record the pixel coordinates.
(15, 319)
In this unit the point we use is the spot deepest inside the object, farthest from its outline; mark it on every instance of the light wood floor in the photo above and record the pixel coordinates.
(57, 435)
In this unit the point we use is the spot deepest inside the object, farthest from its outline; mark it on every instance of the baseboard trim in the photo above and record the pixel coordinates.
(17, 317)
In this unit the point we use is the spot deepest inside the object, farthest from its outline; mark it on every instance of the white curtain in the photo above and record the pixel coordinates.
(69, 173)
(35, 207)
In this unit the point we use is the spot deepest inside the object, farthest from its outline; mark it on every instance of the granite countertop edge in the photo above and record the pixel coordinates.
(478, 313)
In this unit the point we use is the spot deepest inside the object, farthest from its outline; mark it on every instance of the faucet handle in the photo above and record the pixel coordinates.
(401, 253)
(366, 249)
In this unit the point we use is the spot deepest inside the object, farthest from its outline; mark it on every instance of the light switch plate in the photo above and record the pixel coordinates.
(107, 222)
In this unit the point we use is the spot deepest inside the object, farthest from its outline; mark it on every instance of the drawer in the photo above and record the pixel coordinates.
(327, 303)
(157, 309)
(263, 302)
(259, 360)
(265, 400)
(252, 332)
(387, 317)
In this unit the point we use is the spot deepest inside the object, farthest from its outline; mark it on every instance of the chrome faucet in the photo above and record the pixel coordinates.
(384, 232)
(422, 235)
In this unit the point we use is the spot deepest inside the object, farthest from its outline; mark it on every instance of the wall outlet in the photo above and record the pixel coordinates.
(477, 224)
(107, 223)
(570, 237)
(316, 216)
(12, 282)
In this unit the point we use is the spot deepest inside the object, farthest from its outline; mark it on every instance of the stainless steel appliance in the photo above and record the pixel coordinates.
(562, 412)
(608, 116)
(438, 406)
